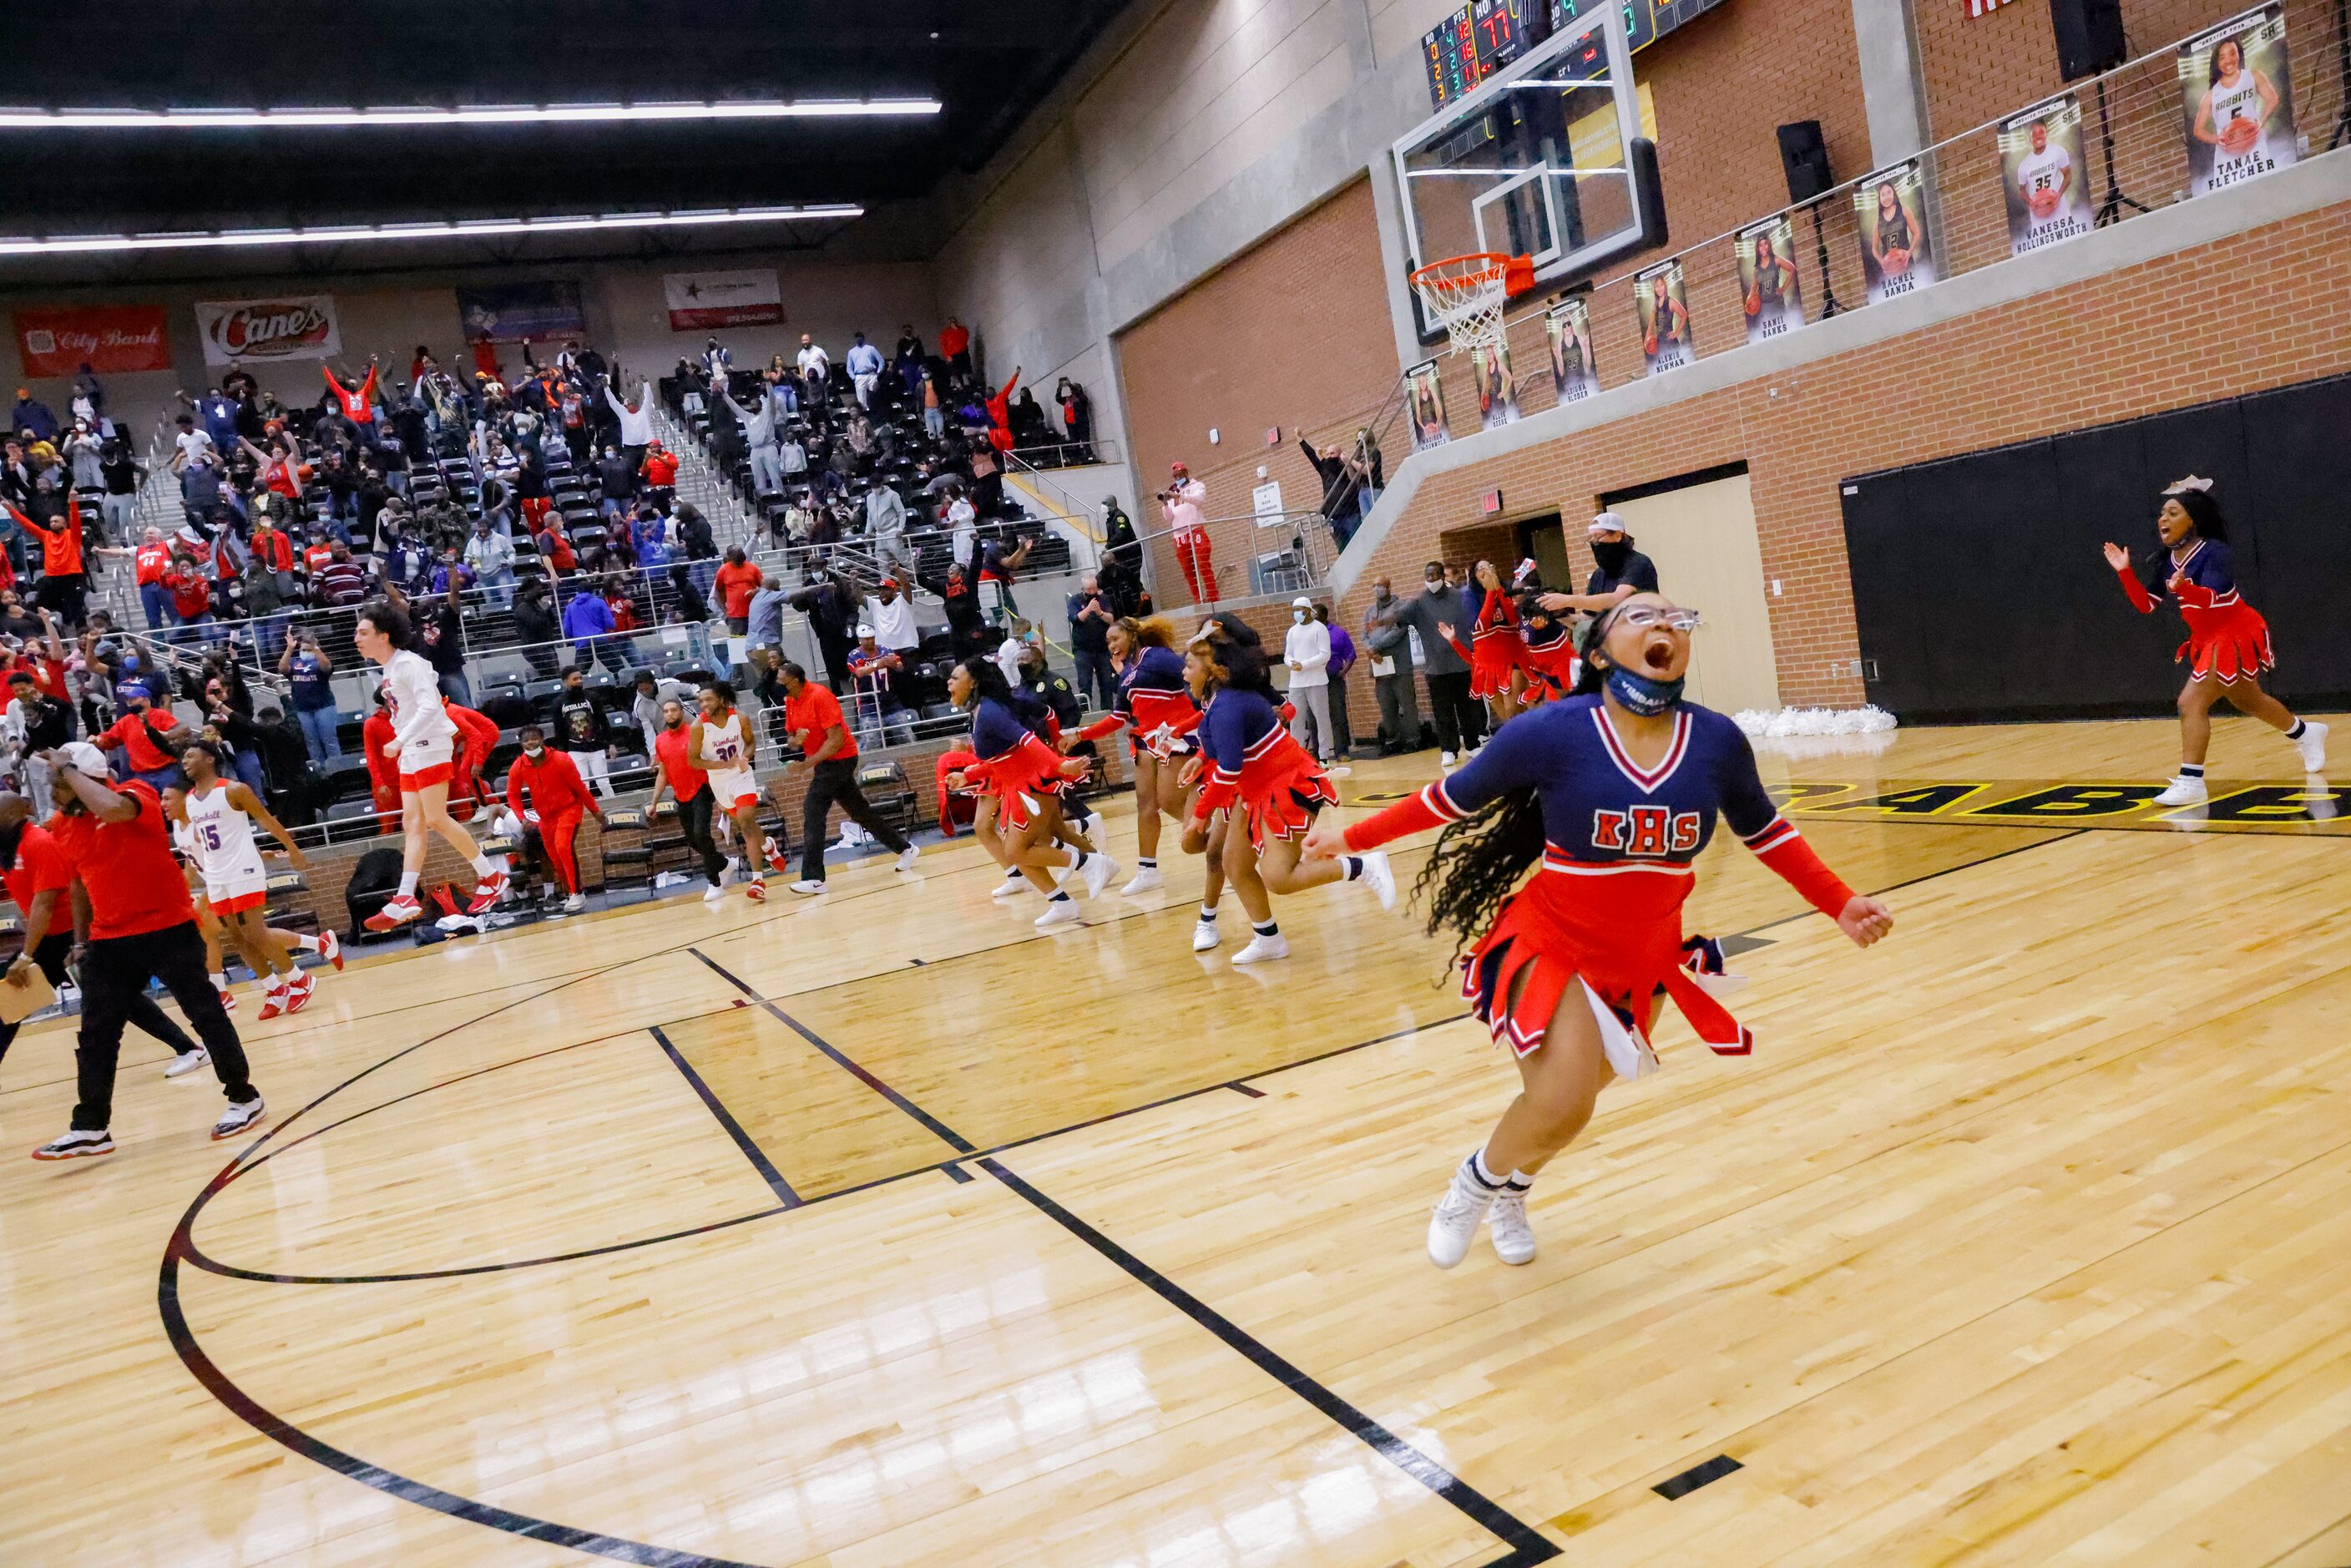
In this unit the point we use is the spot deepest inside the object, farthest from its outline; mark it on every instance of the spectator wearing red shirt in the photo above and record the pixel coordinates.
(62, 577)
(659, 472)
(384, 774)
(549, 782)
(148, 748)
(478, 736)
(38, 879)
(191, 588)
(358, 405)
(679, 776)
(812, 718)
(150, 560)
(954, 345)
(738, 580)
(141, 927)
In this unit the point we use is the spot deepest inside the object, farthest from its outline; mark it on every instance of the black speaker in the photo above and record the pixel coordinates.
(2089, 36)
(1805, 157)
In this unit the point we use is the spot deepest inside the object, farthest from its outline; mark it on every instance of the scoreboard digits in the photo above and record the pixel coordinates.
(1486, 36)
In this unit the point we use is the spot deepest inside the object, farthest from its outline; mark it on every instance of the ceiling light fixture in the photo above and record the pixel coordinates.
(488, 114)
(346, 233)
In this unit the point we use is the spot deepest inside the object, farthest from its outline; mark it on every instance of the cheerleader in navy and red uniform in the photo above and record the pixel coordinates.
(1614, 796)
(1551, 662)
(1250, 769)
(2228, 645)
(1497, 651)
(1156, 707)
(1023, 778)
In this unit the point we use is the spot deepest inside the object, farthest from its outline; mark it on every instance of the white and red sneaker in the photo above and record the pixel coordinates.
(227, 997)
(330, 949)
(298, 992)
(401, 909)
(272, 1004)
(486, 894)
(756, 889)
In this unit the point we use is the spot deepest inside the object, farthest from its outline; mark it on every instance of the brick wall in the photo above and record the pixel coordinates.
(2020, 371)
(1296, 329)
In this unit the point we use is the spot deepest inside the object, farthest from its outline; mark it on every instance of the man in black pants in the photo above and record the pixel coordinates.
(1460, 717)
(35, 871)
(812, 718)
(677, 774)
(132, 915)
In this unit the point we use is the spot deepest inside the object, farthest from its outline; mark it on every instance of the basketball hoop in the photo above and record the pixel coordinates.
(1468, 293)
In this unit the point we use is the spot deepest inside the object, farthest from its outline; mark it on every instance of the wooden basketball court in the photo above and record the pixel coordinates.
(884, 1229)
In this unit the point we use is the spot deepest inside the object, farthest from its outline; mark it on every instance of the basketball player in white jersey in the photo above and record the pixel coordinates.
(2234, 117)
(721, 745)
(424, 747)
(2045, 179)
(213, 821)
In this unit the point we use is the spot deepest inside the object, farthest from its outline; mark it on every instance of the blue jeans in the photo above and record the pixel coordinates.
(499, 586)
(269, 633)
(157, 605)
(318, 733)
(453, 687)
(159, 779)
(246, 767)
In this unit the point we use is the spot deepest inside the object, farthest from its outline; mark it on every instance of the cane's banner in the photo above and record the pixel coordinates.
(699, 301)
(288, 326)
(521, 313)
(57, 340)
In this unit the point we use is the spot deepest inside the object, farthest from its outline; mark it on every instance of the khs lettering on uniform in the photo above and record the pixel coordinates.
(1647, 830)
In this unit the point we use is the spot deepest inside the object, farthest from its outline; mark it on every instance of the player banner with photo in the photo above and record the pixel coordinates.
(2045, 175)
(1770, 292)
(1498, 384)
(2237, 96)
(1567, 333)
(1664, 318)
(1423, 393)
(1891, 206)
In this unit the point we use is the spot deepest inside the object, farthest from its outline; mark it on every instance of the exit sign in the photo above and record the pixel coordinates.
(1492, 502)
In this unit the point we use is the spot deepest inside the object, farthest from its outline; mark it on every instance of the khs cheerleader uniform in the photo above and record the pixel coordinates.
(219, 839)
(1495, 648)
(1604, 908)
(1255, 764)
(727, 758)
(420, 723)
(1154, 703)
(1009, 762)
(1551, 662)
(2226, 636)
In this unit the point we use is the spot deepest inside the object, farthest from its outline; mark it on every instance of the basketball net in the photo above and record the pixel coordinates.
(1467, 294)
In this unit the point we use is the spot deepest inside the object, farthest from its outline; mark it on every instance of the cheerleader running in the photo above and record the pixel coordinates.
(2227, 643)
(1156, 708)
(1023, 778)
(1614, 796)
(1250, 767)
(213, 822)
(1551, 662)
(1497, 651)
(423, 747)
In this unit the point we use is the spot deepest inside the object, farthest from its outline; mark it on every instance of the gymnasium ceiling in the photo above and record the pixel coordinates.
(988, 65)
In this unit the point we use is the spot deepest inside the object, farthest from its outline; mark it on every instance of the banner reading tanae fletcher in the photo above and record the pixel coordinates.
(2046, 177)
(1891, 206)
(1664, 318)
(1770, 292)
(699, 301)
(288, 326)
(2237, 96)
(1567, 333)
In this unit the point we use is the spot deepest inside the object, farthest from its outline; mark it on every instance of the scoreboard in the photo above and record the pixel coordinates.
(1484, 35)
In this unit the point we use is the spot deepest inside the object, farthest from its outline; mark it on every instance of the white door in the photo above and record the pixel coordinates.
(1702, 537)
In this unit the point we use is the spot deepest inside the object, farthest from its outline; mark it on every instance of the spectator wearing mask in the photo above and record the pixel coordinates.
(545, 791)
(538, 626)
(864, 367)
(616, 477)
(148, 739)
(356, 404)
(1179, 506)
(1460, 717)
(636, 422)
(1342, 659)
(1619, 572)
(119, 471)
(307, 668)
(660, 474)
(1090, 616)
(1306, 649)
(577, 722)
(876, 671)
(966, 626)
(491, 556)
(759, 446)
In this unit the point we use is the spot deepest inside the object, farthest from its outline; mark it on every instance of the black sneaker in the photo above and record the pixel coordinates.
(75, 1144)
(237, 1118)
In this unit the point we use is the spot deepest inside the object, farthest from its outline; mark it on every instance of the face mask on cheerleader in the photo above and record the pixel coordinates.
(1641, 694)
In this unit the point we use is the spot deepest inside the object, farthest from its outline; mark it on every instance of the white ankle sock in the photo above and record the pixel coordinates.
(408, 884)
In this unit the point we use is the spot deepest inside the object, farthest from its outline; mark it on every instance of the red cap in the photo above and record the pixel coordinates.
(1177, 468)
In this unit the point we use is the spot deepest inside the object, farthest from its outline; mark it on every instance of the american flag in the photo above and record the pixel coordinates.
(1983, 8)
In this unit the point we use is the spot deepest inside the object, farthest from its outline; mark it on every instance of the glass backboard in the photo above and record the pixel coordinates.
(1534, 163)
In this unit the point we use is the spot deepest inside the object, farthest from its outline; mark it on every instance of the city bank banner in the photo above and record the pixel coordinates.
(1891, 206)
(2046, 176)
(1770, 292)
(2238, 97)
(699, 301)
(57, 340)
(284, 327)
(521, 313)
